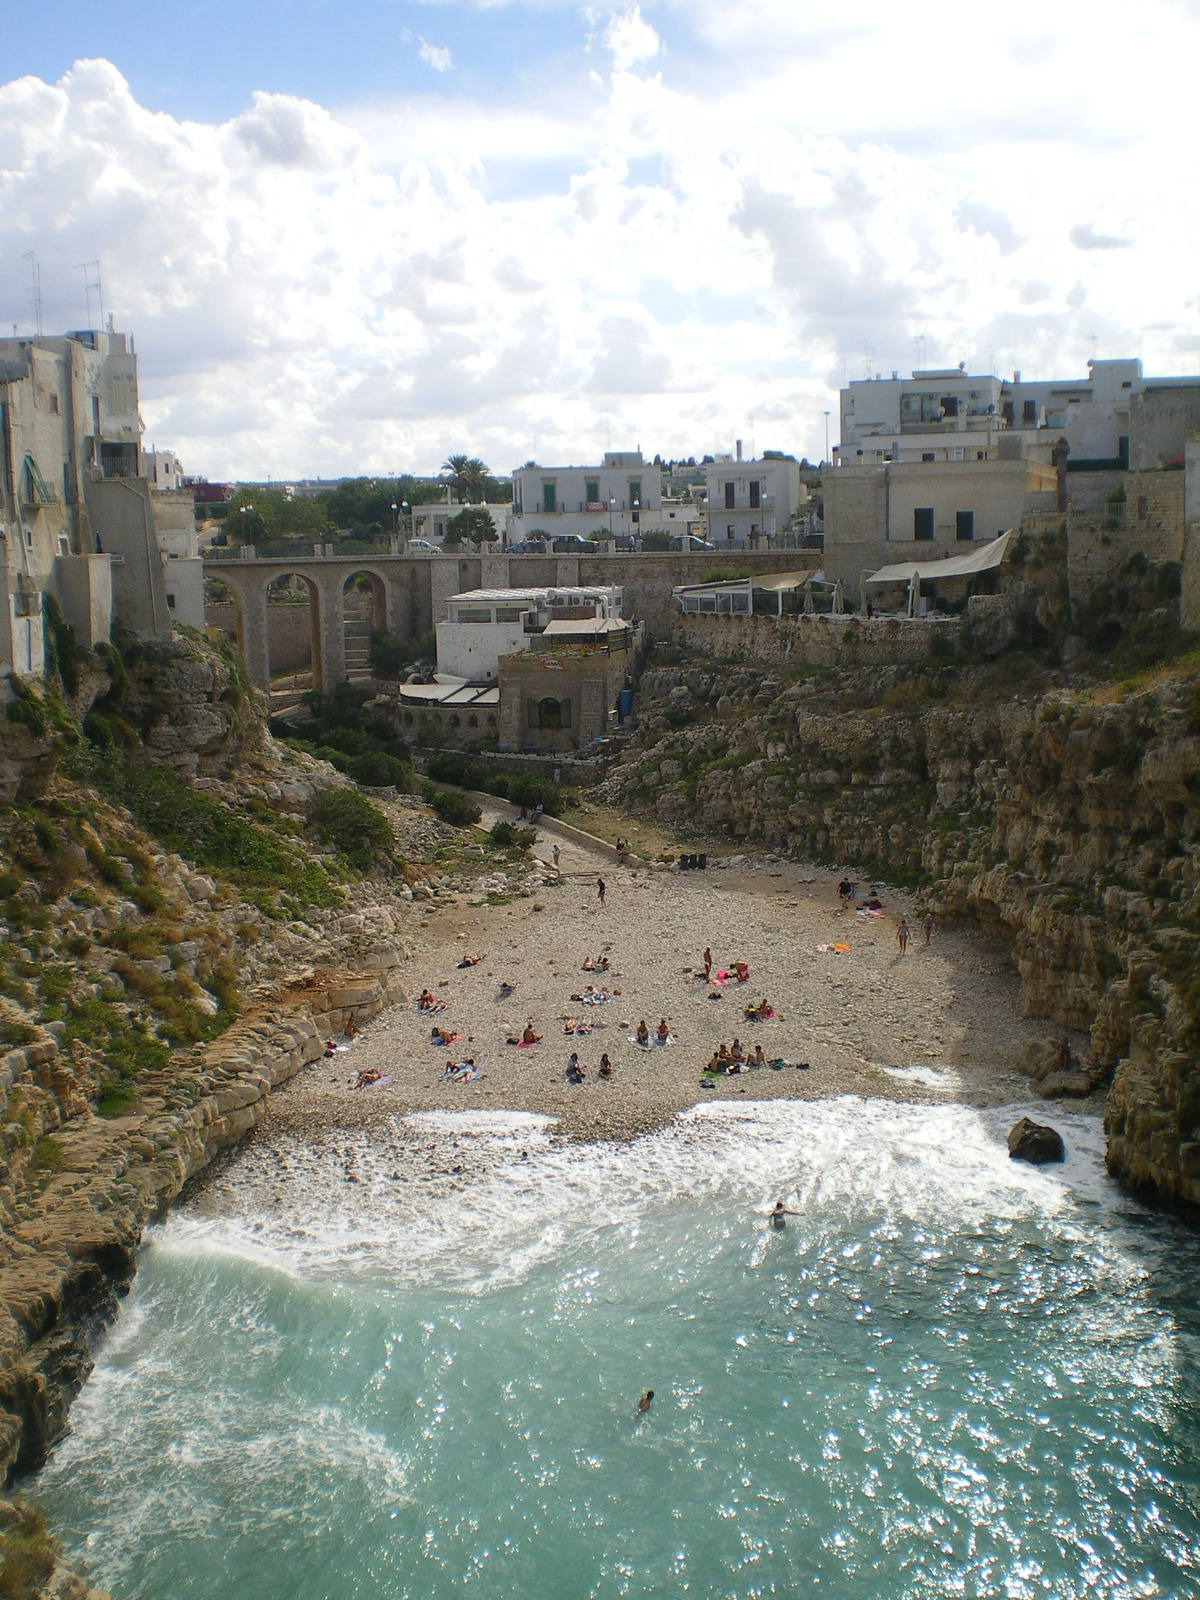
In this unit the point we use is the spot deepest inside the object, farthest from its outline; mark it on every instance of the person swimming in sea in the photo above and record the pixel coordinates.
(778, 1212)
(643, 1404)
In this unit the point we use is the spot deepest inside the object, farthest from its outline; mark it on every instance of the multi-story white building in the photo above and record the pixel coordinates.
(162, 470)
(430, 521)
(1113, 418)
(484, 624)
(621, 496)
(751, 499)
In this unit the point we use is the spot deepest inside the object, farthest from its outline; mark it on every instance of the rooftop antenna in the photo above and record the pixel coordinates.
(1092, 342)
(91, 281)
(35, 278)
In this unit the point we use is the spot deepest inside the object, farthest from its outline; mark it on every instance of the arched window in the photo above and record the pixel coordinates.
(549, 714)
(472, 721)
(454, 720)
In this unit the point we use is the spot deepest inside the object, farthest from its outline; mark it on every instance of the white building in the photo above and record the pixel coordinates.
(621, 496)
(430, 522)
(751, 499)
(162, 470)
(953, 415)
(484, 624)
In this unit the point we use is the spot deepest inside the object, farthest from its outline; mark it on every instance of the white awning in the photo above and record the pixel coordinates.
(981, 560)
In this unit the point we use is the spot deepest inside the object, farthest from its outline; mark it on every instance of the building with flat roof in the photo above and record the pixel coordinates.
(749, 500)
(481, 625)
(622, 495)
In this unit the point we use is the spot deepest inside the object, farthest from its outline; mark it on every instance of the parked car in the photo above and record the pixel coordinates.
(693, 543)
(422, 547)
(571, 544)
(527, 547)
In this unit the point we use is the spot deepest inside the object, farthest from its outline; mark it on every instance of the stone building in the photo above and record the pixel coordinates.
(566, 694)
(620, 496)
(482, 625)
(77, 521)
(749, 500)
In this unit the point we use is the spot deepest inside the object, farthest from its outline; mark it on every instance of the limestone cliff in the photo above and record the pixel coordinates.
(1059, 812)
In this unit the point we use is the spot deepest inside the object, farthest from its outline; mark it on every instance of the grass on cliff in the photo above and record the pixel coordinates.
(28, 1553)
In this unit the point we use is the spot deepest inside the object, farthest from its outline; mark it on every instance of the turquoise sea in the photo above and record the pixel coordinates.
(951, 1375)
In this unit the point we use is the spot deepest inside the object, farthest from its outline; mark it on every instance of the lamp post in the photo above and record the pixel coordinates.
(827, 437)
(406, 512)
(612, 500)
(636, 505)
(247, 511)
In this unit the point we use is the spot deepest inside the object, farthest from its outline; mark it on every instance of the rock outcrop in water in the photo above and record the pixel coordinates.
(1060, 812)
(1035, 1142)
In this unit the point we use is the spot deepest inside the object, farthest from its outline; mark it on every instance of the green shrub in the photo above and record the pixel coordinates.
(351, 825)
(1168, 581)
(456, 808)
(656, 539)
(47, 1153)
(15, 1034)
(378, 768)
(28, 1555)
(530, 791)
(27, 710)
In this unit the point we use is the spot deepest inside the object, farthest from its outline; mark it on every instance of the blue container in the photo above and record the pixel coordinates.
(624, 703)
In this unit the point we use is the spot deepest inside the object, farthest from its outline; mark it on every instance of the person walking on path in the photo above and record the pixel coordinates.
(927, 926)
(600, 889)
(707, 963)
(556, 858)
(902, 936)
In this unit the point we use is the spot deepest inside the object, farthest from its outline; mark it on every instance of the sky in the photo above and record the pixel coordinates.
(354, 236)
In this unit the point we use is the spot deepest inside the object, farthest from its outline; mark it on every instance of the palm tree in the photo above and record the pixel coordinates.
(477, 474)
(457, 467)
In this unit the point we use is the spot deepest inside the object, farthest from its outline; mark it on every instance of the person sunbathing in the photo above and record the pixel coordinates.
(742, 971)
(602, 964)
(588, 965)
(662, 1031)
(426, 1001)
(716, 1064)
(759, 1012)
(723, 1055)
(575, 1072)
(366, 1078)
(760, 1059)
(737, 1053)
(606, 1070)
(505, 990)
(443, 1036)
(643, 1032)
(529, 1037)
(470, 961)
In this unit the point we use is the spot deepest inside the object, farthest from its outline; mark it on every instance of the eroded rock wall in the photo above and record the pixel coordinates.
(1067, 822)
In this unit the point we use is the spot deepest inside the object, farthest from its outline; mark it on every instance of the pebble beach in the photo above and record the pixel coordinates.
(940, 1021)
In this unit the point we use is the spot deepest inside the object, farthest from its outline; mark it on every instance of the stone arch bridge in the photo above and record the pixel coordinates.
(408, 593)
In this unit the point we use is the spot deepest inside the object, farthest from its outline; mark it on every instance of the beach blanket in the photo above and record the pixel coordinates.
(759, 1013)
(572, 1025)
(866, 911)
(653, 1040)
(441, 1040)
(376, 1083)
(430, 1011)
(597, 999)
(778, 1063)
(462, 1072)
(523, 1044)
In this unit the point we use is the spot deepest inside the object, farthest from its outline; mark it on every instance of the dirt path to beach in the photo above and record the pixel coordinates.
(936, 1021)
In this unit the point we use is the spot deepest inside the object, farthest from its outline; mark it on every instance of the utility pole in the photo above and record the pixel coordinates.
(35, 275)
(826, 438)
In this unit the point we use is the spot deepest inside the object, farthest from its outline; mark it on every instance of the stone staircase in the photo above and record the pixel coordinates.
(357, 635)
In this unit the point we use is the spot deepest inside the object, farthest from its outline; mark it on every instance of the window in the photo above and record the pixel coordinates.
(53, 405)
(1006, 411)
(926, 455)
(950, 405)
(923, 523)
(729, 532)
(1029, 413)
(1143, 507)
(171, 601)
(96, 413)
(509, 613)
(635, 491)
(729, 497)
(755, 495)
(479, 614)
(549, 713)
(548, 501)
(591, 491)
(964, 524)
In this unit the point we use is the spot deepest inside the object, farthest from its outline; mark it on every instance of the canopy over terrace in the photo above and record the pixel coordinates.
(768, 594)
(611, 633)
(910, 575)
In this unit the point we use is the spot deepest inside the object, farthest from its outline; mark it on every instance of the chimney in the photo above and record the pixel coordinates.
(739, 449)
(1016, 377)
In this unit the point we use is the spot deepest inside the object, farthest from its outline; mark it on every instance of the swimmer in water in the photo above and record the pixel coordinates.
(643, 1404)
(779, 1212)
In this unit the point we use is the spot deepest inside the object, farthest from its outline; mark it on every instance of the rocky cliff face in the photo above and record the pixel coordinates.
(1063, 817)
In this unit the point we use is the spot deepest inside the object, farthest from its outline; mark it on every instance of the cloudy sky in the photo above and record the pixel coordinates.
(354, 235)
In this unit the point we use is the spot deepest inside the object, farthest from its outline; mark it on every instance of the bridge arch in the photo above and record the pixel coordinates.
(364, 597)
(294, 609)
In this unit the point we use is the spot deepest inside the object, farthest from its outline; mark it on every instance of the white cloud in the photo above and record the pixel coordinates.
(677, 251)
(631, 39)
(435, 55)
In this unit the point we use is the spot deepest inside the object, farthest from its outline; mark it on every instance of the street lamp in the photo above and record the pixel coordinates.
(247, 511)
(827, 438)
(395, 510)
(611, 503)
(406, 512)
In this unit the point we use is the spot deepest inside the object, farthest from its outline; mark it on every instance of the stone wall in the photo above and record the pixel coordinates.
(1102, 537)
(290, 628)
(818, 640)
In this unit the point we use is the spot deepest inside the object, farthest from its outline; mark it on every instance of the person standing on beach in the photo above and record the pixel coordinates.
(556, 858)
(707, 963)
(600, 889)
(927, 926)
(902, 936)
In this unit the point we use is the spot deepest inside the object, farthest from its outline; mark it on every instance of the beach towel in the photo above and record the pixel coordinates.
(376, 1083)
(653, 1040)
(759, 1013)
(430, 1011)
(522, 1044)
(841, 949)
(441, 1040)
